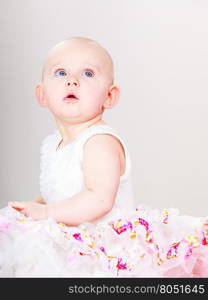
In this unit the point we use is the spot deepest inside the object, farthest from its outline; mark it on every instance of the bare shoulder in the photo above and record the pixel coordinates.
(101, 167)
(108, 146)
(104, 139)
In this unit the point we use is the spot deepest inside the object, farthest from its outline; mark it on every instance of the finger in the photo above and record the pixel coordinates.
(17, 208)
(17, 205)
(11, 203)
(24, 212)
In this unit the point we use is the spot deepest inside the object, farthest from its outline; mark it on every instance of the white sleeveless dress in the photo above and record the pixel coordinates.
(61, 171)
(127, 242)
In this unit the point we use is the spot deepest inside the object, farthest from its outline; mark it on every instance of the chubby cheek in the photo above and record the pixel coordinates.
(52, 94)
(96, 96)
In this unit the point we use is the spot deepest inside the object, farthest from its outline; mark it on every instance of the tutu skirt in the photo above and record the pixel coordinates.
(142, 243)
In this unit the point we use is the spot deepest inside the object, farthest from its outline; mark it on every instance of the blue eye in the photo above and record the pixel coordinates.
(88, 73)
(60, 73)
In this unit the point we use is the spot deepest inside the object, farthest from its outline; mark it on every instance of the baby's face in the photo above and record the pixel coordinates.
(77, 78)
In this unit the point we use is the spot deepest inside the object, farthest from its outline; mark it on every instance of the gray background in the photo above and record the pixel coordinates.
(160, 50)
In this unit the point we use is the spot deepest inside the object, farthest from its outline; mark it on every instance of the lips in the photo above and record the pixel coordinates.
(71, 97)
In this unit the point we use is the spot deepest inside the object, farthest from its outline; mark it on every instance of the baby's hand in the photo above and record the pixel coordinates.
(16, 205)
(31, 209)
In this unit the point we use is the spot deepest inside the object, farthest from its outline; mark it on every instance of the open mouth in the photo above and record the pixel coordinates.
(71, 97)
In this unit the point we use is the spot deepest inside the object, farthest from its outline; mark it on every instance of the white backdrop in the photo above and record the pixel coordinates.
(160, 50)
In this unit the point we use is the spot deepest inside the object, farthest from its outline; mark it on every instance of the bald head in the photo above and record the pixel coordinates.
(83, 47)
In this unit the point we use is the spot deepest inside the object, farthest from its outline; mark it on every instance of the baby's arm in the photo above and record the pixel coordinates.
(101, 168)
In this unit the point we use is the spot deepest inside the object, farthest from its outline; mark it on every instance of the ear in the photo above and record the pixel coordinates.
(112, 97)
(40, 95)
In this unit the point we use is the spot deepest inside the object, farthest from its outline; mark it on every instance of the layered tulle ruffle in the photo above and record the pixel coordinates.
(144, 243)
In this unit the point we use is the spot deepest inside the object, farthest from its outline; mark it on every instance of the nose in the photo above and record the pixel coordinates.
(72, 81)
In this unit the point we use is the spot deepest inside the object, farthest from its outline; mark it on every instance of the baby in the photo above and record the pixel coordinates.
(85, 183)
(77, 86)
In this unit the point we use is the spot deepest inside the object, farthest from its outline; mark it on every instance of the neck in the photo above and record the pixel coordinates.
(70, 131)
